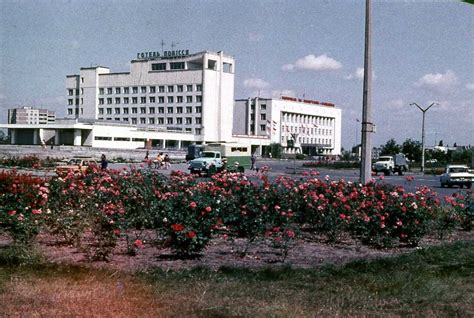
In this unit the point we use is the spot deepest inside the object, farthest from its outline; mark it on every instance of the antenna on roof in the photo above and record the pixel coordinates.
(162, 45)
(174, 44)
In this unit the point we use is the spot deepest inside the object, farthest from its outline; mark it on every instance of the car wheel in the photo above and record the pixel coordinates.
(442, 185)
(450, 185)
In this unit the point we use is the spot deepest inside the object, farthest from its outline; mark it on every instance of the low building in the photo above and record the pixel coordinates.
(314, 127)
(32, 116)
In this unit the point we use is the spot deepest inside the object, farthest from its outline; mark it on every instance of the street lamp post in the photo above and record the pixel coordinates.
(424, 110)
(367, 125)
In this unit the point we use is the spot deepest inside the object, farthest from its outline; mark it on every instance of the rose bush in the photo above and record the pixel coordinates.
(187, 212)
(22, 201)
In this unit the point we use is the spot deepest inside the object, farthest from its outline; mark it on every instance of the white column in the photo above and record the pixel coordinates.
(12, 136)
(164, 144)
(40, 135)
(77, 137)
(35, 137)
(179, 144)
(56, 136)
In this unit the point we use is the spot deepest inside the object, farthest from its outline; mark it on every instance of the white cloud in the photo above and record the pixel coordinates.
(358, 74)
(2, 96)
(314, 63)
(256, 83)
(288, 67)
(438, 82)
(470, 86)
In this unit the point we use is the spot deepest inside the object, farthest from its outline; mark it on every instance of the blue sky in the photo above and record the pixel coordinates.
(422, 52)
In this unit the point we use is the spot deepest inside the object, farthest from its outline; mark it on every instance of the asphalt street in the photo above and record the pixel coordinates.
(288, 168)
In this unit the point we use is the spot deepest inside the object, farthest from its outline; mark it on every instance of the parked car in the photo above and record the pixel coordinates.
(209, 163)
(76, 165)
(457, 175)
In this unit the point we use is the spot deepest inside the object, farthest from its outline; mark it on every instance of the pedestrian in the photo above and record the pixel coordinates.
(167, 161)
(270, 155)
(103, 162)
(146, 155)
(158, 161)
(43, 144)
(253, 159)
(52, 144)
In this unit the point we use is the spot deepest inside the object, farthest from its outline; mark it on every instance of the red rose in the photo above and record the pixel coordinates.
(138, 243)
(177, 227)
(191, 234)
(193, 205)
(208, 209)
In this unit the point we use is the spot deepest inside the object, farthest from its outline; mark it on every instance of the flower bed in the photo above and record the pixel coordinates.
(185, 213)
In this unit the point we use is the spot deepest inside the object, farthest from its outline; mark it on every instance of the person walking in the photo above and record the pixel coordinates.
(167, 161)
(158, 161)
(103, 162)
(253, 159)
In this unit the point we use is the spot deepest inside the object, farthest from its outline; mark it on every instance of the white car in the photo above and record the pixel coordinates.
(457, 175)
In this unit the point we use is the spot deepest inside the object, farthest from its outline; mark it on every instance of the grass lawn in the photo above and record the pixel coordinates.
(437, 281)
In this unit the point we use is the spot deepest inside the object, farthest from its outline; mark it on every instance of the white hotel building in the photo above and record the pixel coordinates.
(189, 97)
(174, 99)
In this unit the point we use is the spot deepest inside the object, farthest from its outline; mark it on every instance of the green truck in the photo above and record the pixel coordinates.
(214, 157)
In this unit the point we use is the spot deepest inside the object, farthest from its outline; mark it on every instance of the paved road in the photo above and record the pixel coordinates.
(285, 167)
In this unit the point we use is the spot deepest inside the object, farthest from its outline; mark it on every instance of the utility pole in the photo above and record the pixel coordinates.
(367, 125)
(424, 110)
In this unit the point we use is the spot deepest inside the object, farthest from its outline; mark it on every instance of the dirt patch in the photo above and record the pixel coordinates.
(308, 252)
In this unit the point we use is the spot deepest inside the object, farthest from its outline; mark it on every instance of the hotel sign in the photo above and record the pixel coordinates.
(165, 54)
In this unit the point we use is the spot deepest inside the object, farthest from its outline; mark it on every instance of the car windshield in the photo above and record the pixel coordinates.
(458, 169)
(208, 154)
(384, 158)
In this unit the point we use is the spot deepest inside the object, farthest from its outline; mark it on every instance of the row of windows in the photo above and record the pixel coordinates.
(307, 119)
(151, 100)
(262, 107)
(159, 120)
(150, 110)
(162, 66)
(197, 131)
(262, 117)
(148, 89)
(119, 138)
(70, 92)
(307, 130)
(70, 101)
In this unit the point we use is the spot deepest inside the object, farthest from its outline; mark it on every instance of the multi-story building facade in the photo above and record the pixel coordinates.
(314, 127)
(31, 116)
(174, 99)
(190, 94)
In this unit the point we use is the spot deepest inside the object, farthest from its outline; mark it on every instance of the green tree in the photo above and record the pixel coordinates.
(4, 138)
(275, 149)
(412, 149)
(390, 148)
